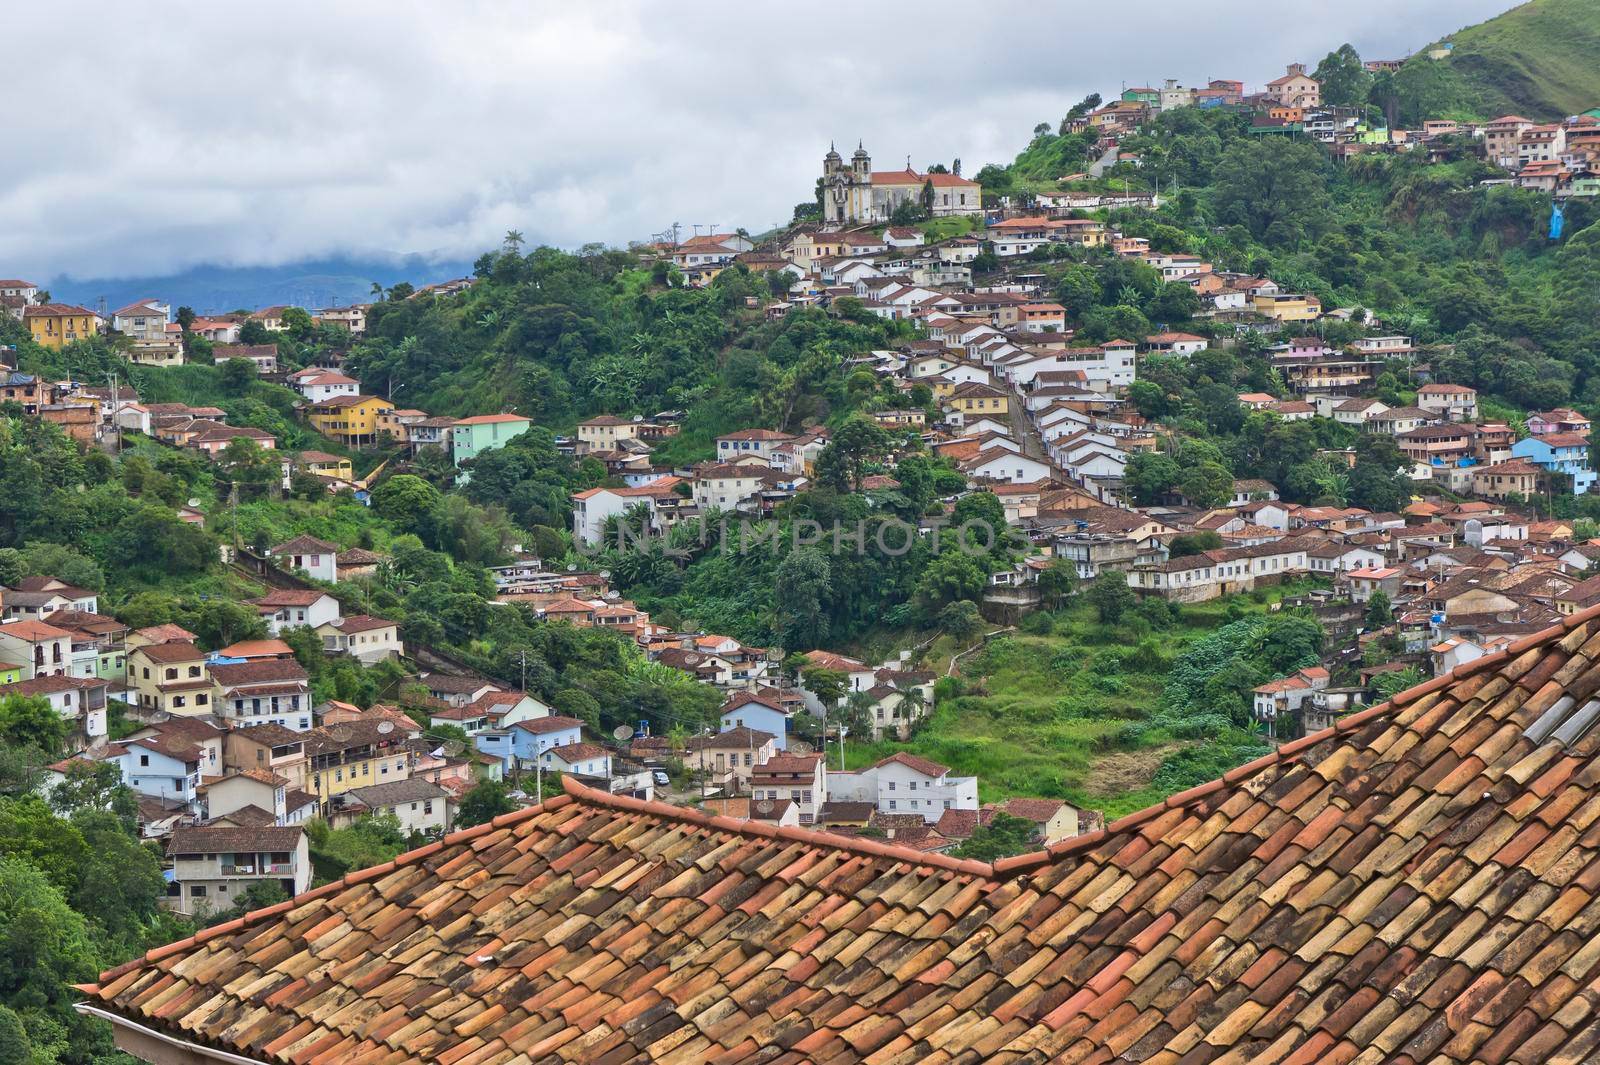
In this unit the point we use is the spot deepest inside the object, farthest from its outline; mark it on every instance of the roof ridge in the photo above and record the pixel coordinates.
(1290, 752)
(574, 793)
(866, 847)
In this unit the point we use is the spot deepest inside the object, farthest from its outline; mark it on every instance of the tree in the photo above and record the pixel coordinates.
(1004, 836)
(1345, 82)
(1388, 685)
(486, 800)
(1195, 543)
(1058, 581)
(1379, 611)
(254, 332)
(405, 499)
(185, 318)
(828, 685)
(237, 376)
(1110, 596)
(45, 947)
(802, 591)
(961, 620)
(1207, 485)
(1150, 475)
(1276, 188)
(30, 721)
(952, 576)
(853, 445)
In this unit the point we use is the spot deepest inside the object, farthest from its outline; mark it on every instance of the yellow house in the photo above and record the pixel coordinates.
(350, 419)
(54, 325)
(1288, 307)
(807, 248)
(1085, 232)
(974, 400)
(326, 465)
(170, 678)
(355, 754)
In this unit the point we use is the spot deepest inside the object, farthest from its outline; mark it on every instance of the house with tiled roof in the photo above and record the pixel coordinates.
(584, 759)
(317, 558)
(728, 759)
(266, 689)
(905, 783)
(255, 788)
(363, 637)
(213, 867)
(521, 744)
(1411, 885)
(289, 608)
(170, 678)
(757, 710)
(419, 805)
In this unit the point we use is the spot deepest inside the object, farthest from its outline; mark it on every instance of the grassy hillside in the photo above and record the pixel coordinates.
(1541, 60)
(1078, 710)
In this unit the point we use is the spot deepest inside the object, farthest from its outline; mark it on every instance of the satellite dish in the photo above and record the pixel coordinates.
(453, 748)
(764, 806)
(338, 733)
(194, 502)
(385, 727)
(160, 717)
(605, 575)
(622, 733)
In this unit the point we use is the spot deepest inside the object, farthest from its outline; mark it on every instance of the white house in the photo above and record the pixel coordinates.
(584, 759)
(905, 784)
(323, 385)
(79, 700)
(419, 805)
(317, 558)
(726, 486)
(757, 442)
(859, 676)
(999, 464)
(287, 608)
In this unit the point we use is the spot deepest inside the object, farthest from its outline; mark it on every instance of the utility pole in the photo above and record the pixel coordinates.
(116, 414)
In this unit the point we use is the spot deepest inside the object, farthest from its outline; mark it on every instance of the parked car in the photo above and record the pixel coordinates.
(661, 778)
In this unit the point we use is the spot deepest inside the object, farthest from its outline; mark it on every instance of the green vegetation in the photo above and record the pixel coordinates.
(1536, 60)
(1111, 716)
(1002, 837)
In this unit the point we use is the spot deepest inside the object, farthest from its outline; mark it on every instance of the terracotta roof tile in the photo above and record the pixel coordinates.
(1418, 884)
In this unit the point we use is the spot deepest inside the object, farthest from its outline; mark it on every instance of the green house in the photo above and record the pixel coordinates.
(471, 437)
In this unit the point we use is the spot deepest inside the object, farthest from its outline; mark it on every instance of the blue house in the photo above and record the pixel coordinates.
(1563, 453)
(760, 712)
(523, 743)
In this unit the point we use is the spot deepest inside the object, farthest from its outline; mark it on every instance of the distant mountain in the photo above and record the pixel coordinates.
(1540, 60)
(215, 289)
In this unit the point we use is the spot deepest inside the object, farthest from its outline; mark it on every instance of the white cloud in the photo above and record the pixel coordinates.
(191, 132)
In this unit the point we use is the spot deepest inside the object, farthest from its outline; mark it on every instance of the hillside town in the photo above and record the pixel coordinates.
(1227, 691)
(227, 746)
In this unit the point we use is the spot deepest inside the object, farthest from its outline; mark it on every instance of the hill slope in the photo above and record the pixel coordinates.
(1541, 59)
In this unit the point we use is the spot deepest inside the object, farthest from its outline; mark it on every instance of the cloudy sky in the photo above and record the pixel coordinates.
(256, 134)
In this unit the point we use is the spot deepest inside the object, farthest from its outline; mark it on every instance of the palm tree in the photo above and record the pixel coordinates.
(513, 241)
(913, 704)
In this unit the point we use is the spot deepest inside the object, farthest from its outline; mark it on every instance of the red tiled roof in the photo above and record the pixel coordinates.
(1417, 884)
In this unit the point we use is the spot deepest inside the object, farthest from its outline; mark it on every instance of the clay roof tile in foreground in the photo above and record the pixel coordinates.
(1419, 883)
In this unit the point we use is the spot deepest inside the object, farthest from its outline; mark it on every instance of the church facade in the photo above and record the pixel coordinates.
(855, 193)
